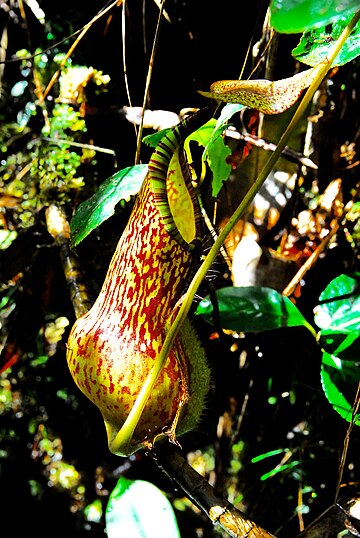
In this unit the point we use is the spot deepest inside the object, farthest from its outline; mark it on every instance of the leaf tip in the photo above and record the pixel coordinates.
(206, 94)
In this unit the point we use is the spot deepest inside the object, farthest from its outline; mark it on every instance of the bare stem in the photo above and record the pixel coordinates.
(59, 228)
(201, 493)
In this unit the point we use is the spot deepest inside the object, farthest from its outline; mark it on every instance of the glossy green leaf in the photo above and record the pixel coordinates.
(338, 317)
(295, 16)
(315, 44)
(344, 345)
(153, 139)
(340, 380)
(252, 309)
(138, 509)
(339, 305)
(94, 211)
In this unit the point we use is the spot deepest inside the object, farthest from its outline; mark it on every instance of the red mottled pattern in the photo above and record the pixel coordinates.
(112, 348)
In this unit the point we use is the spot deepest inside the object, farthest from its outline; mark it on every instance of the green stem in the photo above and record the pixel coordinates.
(249, 196)
(126, 432)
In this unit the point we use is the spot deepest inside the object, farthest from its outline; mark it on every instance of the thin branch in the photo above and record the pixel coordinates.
(75, 44)
(59, 228)
(148, 79)
(288, 153)
(123, 36)
(201, 493)
(329, 523)
(310, 261)
(64, 141)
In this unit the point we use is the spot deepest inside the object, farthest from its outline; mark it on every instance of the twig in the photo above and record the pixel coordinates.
(288, 153)
(310, 262)
(126, 80)
(201, 493)
(59, 228)
(148, 79)
(64, 141)
(329, 523)
(73, 46)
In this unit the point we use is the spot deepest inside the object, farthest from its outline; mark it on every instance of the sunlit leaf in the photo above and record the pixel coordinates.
(228, 112)
(93, 511)
(340, 380)
(40, 359)
(253, 309)
(269, 454)
(138, 509)
(279, 469)
(94, 211)
(6, 238)
(315, 45)
(295, 16)
(338, 317)
(339, 304)
(153, 139)
(215, 153)
(203, 135)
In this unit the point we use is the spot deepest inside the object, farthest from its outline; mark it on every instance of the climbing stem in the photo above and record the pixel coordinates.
(125, 434)
(249, 196)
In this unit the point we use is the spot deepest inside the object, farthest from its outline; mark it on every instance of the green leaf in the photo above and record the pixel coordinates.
(210, 137)
(228, 112)
(94, 211)
(339, 308)
(315, 44)
(138, 509)
(295, 16)
(340, 380)
(252, 309)
(216, 147)
(153, 139)
(269, 454)
(345, 346)
(215, 153)
(338, 317)
(279, 469)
